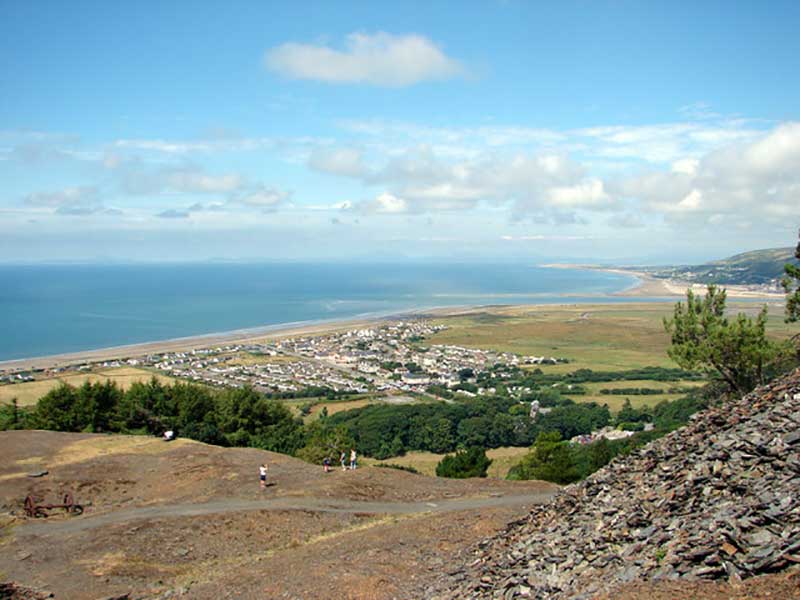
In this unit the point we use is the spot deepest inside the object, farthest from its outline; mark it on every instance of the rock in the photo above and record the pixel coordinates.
(713, 500)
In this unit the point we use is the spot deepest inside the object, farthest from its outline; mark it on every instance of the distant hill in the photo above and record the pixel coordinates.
(758, 267)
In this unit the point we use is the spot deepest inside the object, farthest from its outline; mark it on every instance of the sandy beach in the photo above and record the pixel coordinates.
(652, 287)
(646, 286)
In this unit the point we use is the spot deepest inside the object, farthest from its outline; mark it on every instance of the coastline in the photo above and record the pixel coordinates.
(645, 287)
(651, 287)
(239, 336)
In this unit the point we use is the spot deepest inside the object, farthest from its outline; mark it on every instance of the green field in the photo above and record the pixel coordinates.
(29, 392)
(611, 337)
(615, 402)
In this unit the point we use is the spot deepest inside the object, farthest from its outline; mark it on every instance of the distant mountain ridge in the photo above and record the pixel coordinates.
(757, 267)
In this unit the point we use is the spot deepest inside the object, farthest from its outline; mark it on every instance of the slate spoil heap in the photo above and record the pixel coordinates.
(717, 499)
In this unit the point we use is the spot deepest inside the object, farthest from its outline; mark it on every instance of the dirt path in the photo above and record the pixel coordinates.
(87, 522)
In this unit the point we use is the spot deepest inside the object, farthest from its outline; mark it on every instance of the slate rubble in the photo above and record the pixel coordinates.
(717, 499)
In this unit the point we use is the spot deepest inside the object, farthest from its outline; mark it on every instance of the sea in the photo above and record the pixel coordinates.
(54, 309)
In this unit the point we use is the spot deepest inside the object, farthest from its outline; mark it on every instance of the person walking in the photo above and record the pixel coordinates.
(352, 458)
(326, 464)
(262, 476)
(343, 460)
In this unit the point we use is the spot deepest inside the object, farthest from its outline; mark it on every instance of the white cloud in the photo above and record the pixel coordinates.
(194, 181)
(743, 181)
(380, 59)
(338, 161)
(261, 197)
(386, 204)
(584, 194)
(71, 201)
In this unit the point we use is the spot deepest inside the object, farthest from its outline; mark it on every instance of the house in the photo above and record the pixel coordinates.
(415, 378)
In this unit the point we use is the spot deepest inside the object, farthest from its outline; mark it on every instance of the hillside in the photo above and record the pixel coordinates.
(714, 501)
(758, 267)
(185, 519)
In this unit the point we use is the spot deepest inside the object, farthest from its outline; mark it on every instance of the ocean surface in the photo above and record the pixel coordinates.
(66, 308)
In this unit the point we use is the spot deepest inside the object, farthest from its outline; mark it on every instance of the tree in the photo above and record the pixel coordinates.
(791, 283)
(471, 462)
(56, 410)
(550, 459)
(736, 352)
(323, 441)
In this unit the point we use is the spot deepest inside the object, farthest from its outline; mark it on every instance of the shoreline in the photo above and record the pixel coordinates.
(644, 287)
(236, 336)
(652, 287)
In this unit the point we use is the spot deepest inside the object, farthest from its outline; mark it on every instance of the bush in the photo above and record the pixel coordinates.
(471, 462)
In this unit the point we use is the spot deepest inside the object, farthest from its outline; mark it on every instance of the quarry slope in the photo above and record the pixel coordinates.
(716, 501)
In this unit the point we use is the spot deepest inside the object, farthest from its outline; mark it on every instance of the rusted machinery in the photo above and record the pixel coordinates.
(34, 510)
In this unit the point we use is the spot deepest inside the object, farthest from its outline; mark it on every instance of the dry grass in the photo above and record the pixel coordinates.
(29, 392)
(90, 448)
(335, 407)
(425, 462)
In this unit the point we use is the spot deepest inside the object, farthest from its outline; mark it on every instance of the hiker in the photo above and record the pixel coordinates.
(343, 460)
(352, 458)
(169, 435)
(262, 476)
(326, 464)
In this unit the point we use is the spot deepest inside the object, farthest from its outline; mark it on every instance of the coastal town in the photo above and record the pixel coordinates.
(385, 358)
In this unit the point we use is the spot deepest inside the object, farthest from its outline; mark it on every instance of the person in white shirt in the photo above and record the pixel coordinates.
(262, 476)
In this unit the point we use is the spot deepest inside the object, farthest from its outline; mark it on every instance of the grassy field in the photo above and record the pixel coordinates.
(28, 393)
(425, 462)
(615, 402)
(609, 337)
(335, 406)
(599, 337)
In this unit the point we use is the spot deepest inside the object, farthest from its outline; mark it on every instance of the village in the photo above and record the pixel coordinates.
(386, 358)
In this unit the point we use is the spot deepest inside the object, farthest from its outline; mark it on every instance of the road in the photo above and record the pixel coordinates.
(126, 515)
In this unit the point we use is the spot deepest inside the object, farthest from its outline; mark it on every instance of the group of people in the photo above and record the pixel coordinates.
(326, 465)
(326, 462)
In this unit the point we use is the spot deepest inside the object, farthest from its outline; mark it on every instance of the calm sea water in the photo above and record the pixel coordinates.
(54, 309)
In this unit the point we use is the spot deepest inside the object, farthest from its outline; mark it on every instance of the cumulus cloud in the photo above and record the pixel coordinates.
(195, 181)
(338, 161)
(74, 201)
(380, 59)
(759, 178)
(262, 197)
(385, 204)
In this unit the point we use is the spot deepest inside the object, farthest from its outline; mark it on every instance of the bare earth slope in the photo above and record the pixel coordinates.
(716, 501)
(184, 518)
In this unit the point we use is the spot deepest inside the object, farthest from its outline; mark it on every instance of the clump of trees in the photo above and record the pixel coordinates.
(231, 417)
(469, 462)
(385, 430)
(552, 458)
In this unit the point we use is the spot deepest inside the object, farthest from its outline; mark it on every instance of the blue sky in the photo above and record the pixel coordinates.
(635, 132)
